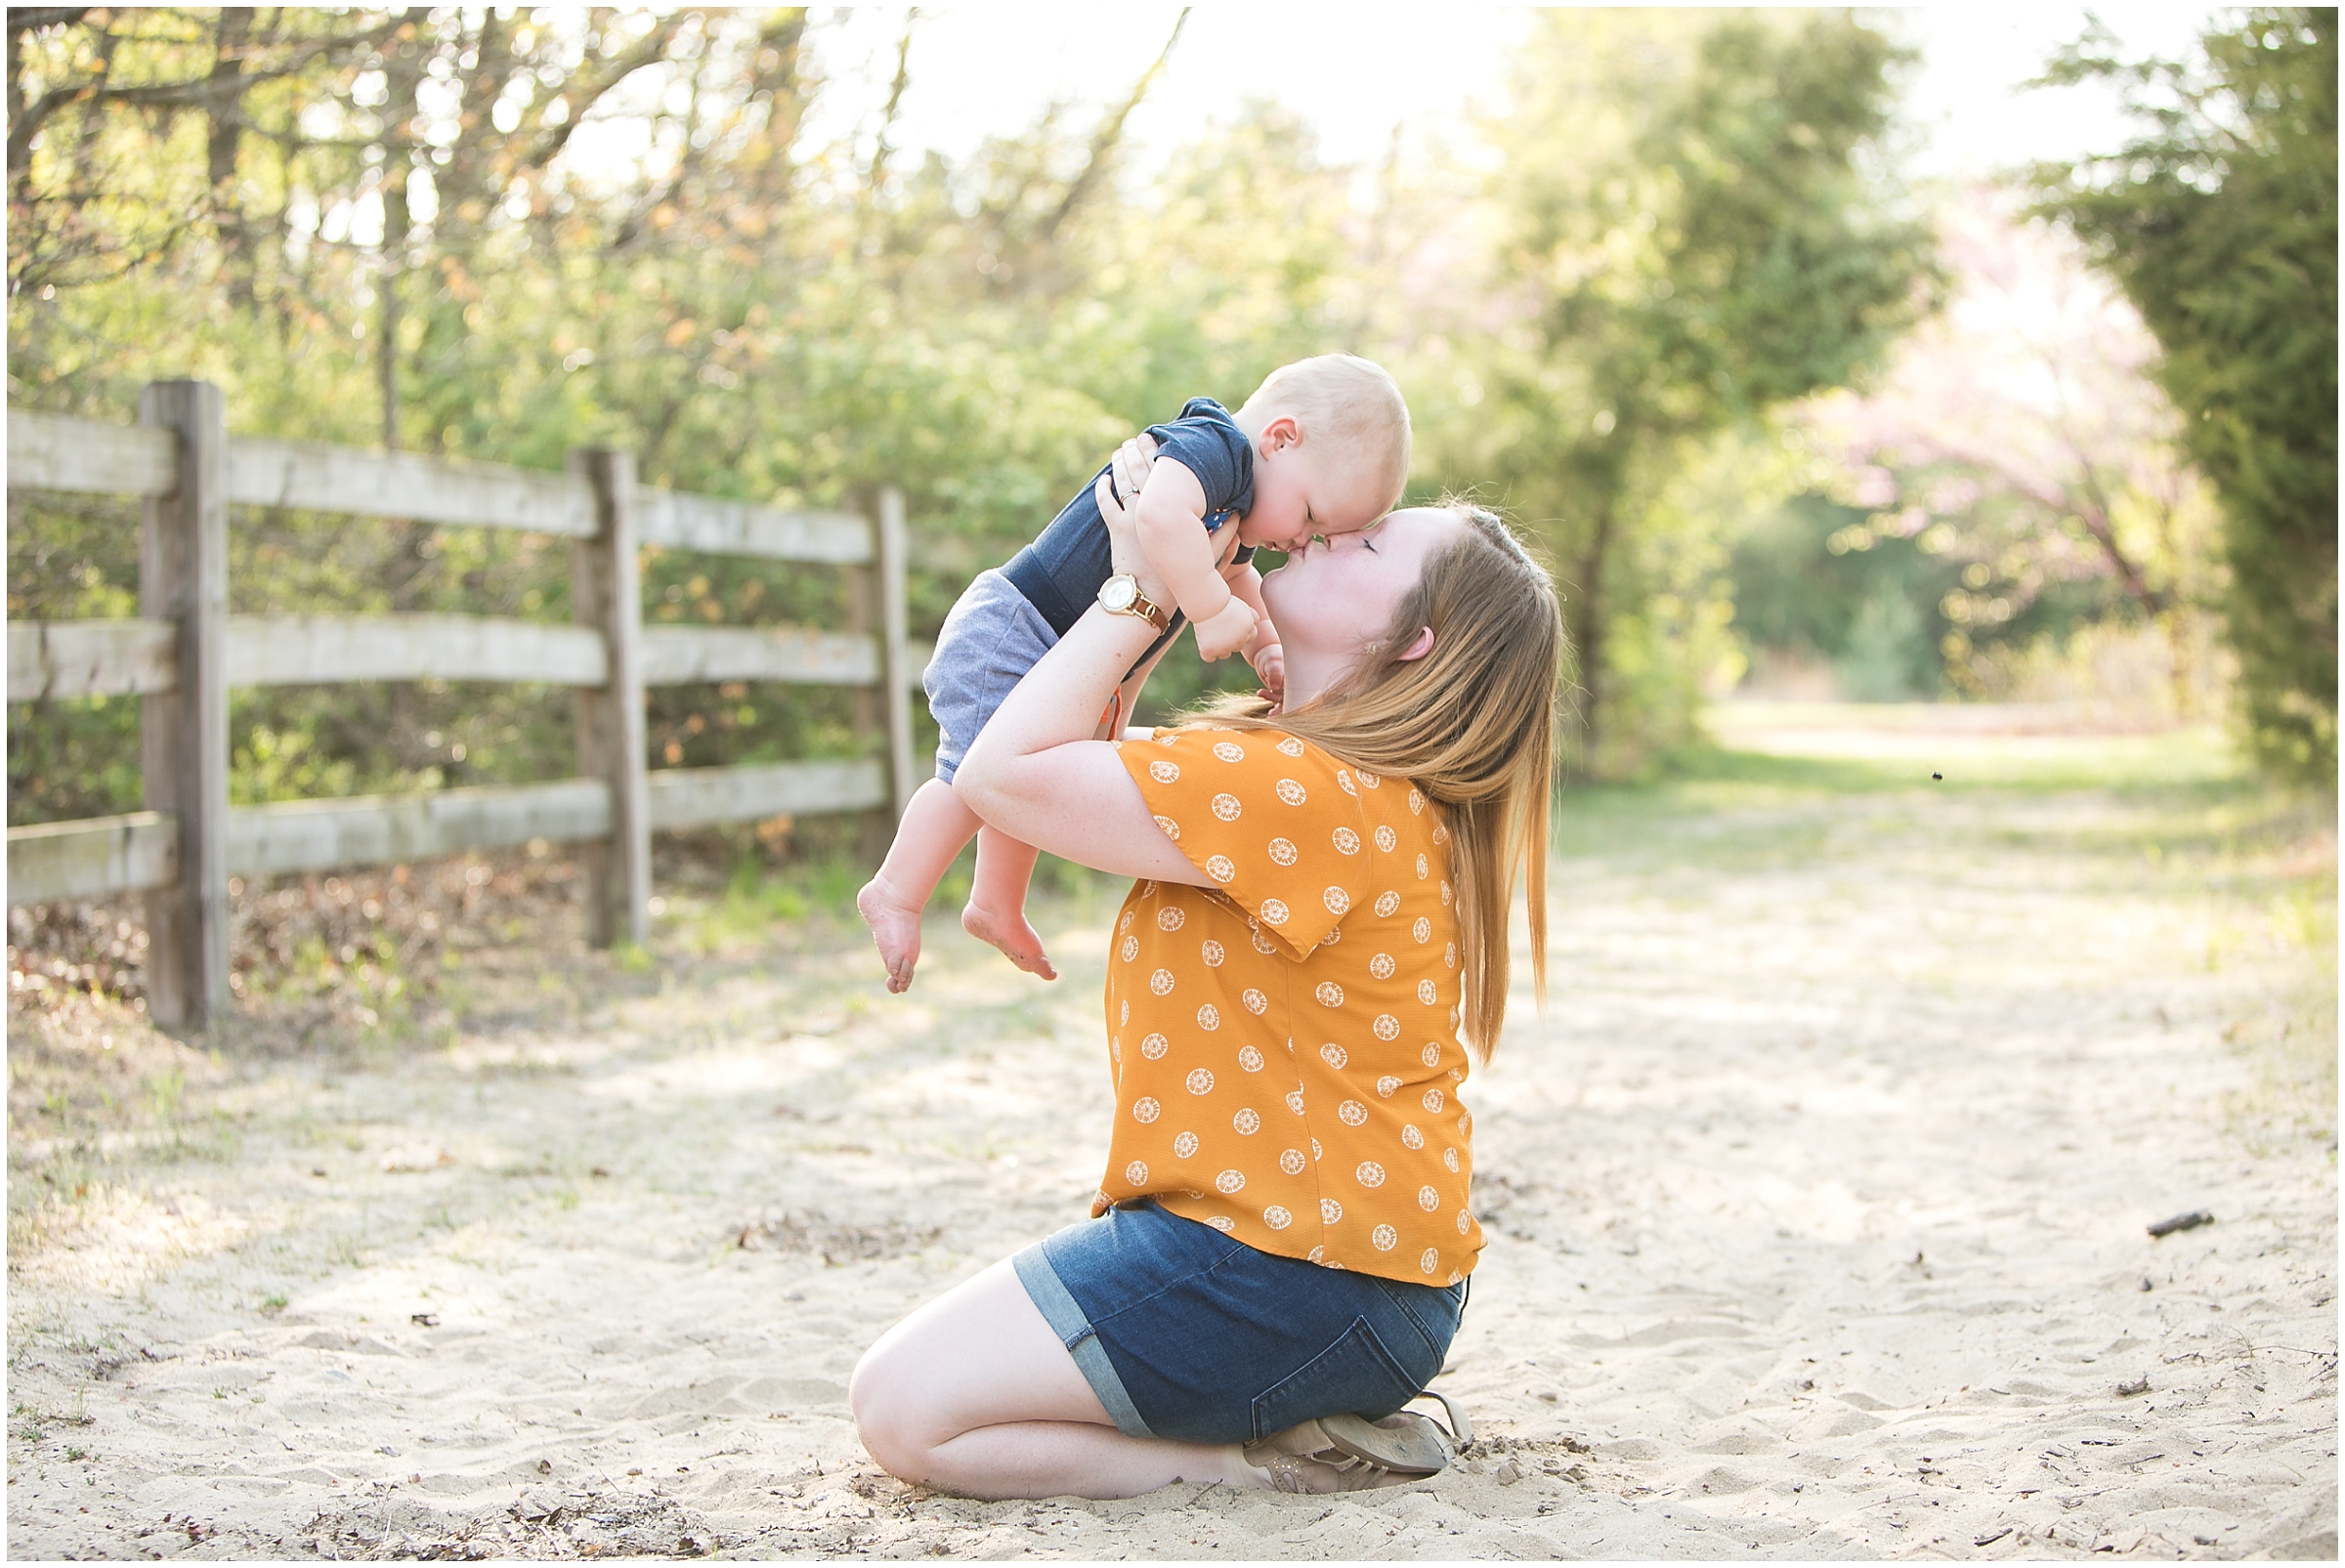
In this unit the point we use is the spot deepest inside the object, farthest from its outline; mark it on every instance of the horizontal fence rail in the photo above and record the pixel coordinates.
(315, 650)
(108, 856)
(89, 658)
(81, 456)
(71, 659)
(183, 653)
(706, 797)
(317, 478)
(53, 452)
(325, 835)
(716, 527)
(94, 859)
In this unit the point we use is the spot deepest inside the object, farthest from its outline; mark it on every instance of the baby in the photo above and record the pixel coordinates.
(1322, 447)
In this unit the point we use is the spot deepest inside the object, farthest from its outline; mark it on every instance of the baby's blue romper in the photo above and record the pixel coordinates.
(1009, 618)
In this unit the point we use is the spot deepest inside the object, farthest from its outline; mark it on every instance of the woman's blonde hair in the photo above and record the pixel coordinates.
(1471, 724)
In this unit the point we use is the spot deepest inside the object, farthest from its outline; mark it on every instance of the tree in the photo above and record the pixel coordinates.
(1696, 234)
(2220, 224)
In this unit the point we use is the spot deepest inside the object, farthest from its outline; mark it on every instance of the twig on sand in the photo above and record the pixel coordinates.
(2190, 1221)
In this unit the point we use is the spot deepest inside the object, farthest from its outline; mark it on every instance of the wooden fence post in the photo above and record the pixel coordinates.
(182, 733)
(895, 662)
(607, 594)
(875, 826)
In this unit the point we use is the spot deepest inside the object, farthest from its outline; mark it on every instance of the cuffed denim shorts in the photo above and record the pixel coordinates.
(1186, 1333)
(992, 636)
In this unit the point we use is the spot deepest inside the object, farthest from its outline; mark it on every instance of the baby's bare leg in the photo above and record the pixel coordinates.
(996, 909)
(934, 828)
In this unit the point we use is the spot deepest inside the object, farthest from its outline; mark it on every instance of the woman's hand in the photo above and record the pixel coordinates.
(1127, 472)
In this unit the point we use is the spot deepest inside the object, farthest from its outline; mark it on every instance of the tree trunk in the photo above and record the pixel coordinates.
(777, 77)
(403, 72)
(1593, 626)
(226, 111)
(403, 60)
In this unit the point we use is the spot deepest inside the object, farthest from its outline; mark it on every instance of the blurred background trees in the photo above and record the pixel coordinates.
(1777, 415)
(1687, 242)
(2013, 485)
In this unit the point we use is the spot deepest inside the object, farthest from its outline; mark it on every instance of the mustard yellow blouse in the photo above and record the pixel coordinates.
(1284, 1043)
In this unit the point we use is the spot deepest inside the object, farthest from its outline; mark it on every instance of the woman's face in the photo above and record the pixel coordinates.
(1335, 596)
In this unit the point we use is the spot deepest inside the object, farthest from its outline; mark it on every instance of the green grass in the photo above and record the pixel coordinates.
(759, 900)
(1848, 760)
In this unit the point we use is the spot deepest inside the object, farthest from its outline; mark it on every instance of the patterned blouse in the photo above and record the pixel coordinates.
(1284, 1043)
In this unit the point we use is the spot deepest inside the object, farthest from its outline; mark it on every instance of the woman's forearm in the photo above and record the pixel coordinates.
(1060, 700)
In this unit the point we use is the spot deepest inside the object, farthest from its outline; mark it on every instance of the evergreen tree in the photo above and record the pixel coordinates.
(2220, 222)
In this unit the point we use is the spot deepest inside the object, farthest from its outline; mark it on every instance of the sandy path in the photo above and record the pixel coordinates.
(1816, 1230)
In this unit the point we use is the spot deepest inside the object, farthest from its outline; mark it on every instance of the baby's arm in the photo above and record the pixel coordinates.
(1263, 652)
(1170, 517)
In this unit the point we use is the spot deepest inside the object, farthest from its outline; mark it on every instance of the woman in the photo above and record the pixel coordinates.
(1281, 1240)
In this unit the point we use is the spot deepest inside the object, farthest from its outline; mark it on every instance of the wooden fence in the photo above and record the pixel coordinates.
(185, 651)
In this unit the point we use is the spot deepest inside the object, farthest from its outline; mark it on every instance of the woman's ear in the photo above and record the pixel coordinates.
(1419, 646)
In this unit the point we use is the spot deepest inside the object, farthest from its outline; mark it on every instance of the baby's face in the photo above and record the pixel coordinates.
(1294, 500)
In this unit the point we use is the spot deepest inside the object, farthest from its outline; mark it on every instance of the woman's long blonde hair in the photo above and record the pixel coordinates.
(1471, 724)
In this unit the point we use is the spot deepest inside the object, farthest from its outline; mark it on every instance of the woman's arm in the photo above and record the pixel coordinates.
(1036, 773)
(1127, 695)
(1132, 463)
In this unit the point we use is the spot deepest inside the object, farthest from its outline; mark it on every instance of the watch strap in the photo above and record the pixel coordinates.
(1143, 607)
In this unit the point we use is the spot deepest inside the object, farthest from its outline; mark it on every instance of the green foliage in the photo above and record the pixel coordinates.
(2220, 222)
(374, 227)
(1817, 581)
(1695, 236)
(1871, 612)
(1887, 654)
(2016, 441)
(752, 316)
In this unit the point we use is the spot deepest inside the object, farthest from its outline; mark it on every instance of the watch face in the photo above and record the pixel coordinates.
(1118, 593)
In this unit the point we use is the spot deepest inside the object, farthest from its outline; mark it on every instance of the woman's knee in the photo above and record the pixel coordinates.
(888, 1410)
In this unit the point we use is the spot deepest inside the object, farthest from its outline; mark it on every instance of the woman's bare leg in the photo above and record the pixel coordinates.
(935, 827)
(996, 909)
(975, 1395)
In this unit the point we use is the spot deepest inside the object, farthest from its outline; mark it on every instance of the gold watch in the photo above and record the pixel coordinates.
(1119, 595)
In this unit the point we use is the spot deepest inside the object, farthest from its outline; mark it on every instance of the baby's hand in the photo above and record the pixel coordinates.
(1221, 635)
(1271, 665)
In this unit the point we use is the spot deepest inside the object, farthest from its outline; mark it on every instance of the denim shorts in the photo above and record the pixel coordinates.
(1186, 1333)
(990, 640)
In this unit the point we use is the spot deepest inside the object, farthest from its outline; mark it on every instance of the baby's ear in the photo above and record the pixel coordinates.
(1280, 432)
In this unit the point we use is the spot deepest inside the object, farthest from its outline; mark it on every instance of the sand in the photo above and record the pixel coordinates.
(1816, 1209)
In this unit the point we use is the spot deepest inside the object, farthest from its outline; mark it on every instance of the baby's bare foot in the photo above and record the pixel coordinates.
(896, 929)
(1012, 935)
